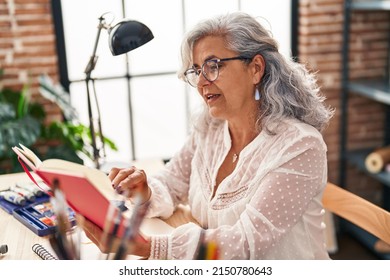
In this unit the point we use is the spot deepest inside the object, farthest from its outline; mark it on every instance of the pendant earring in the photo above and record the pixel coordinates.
(257, 94)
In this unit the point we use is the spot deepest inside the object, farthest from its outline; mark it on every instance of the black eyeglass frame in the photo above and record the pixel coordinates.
(201, 69)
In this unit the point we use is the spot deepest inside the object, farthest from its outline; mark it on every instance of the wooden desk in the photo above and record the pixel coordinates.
(20, 239)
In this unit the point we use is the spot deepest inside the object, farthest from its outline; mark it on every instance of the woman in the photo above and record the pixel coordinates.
(254, 168)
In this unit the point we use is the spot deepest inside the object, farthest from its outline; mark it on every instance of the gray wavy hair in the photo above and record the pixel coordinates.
(288, 89)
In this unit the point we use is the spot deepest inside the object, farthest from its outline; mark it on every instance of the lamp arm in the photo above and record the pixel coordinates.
(88, 71)
(99, 123)
(93, 59)
(92, 127)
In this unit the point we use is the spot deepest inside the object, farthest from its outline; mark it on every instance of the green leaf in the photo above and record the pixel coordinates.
(58, 95)
(23, 104)
(26, 130)
(9, 96)
(111, 144)
(7, 112)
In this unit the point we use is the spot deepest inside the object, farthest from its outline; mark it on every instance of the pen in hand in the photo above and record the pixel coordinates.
(132, 227)
(108, 235)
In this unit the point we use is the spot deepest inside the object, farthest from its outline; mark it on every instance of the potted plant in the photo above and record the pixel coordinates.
(21, 121)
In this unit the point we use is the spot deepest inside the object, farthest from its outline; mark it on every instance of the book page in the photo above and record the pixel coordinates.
(27, 158)
(98, 178)
(30, 155)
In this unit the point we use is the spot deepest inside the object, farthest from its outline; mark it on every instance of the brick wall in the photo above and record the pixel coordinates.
(320, 47)
(27, 47)
(27, 50)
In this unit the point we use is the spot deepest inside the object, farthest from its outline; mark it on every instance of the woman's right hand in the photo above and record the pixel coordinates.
(130, 182)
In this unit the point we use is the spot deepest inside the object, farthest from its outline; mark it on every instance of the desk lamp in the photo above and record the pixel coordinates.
(124, 36)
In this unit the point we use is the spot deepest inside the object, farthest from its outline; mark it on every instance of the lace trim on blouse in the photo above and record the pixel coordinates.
(159, 248)
(225, 200)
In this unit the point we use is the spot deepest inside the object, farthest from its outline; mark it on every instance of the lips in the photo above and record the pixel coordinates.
(212, 96)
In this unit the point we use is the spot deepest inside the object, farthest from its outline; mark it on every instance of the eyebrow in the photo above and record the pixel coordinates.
(209, 57)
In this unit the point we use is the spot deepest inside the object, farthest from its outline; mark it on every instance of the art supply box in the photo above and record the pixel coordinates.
(38, 216)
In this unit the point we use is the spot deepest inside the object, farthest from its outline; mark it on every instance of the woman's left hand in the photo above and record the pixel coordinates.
(130, 181)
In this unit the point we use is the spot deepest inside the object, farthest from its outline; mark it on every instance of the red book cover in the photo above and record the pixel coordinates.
(87, 190)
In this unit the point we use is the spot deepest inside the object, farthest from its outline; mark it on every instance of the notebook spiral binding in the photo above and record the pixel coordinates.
(42, 252)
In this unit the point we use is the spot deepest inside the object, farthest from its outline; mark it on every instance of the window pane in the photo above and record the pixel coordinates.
(165, 21)
(80, 29)
(275, 16)
(203, 9)
(159, 116)
(114, 108)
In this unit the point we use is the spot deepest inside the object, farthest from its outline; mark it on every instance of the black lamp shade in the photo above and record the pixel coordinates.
(128, 35)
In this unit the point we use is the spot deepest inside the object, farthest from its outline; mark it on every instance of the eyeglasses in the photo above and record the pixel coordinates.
(209, 70)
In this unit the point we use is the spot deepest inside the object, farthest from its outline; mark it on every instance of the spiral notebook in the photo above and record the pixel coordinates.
(42, 252)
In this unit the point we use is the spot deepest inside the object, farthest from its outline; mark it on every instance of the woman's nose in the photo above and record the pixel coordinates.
(203, 81)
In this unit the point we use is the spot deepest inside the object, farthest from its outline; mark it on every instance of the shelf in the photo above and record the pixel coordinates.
(358, 157)
(371, 5)
(378, 91)
(375, 90)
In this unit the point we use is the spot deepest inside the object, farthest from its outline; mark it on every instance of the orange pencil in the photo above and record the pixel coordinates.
(212, 251)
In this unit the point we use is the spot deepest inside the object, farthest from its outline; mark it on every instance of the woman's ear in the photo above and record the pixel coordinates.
(258, 68)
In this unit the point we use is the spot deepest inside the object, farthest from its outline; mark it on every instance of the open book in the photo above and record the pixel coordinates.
(87, 191)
